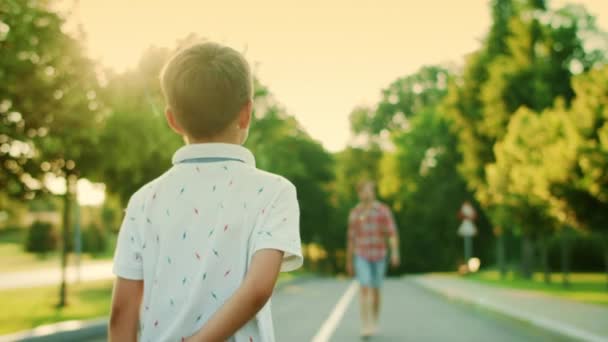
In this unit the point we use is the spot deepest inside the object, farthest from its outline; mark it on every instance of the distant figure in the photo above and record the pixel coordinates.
(467, 228)
(200, 247)
(370, 223)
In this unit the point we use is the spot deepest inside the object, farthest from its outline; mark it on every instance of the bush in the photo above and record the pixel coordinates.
(94, 239)
(41, 238)
(13, 234)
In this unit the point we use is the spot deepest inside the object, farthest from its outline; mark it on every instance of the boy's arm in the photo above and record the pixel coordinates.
(126, 300)
(248, 299)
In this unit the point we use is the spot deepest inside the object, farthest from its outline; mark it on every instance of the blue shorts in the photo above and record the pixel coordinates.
(370, 273)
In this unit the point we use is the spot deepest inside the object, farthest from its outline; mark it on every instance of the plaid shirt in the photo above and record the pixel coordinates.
(368, 229)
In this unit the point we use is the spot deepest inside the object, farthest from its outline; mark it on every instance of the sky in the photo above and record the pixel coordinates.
(319, 58)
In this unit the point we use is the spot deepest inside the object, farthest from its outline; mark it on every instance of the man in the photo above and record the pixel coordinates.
(370, 223)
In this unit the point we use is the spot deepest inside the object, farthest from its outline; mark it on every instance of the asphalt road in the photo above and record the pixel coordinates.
(409, 313)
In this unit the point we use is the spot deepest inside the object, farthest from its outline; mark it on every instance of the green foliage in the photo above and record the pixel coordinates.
(41, 238)
(31, 42)
(49, 111)
(352, 165)
(527, 60)
(137, 142)
(417, 174)
(516, 151)
(515, 130)
(94, 239)
(526, 130)
(283, 147)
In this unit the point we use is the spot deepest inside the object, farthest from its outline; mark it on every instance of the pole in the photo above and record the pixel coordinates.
(468, 248)
(77, 240)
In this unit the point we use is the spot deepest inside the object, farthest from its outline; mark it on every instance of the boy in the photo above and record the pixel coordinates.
(200, 247)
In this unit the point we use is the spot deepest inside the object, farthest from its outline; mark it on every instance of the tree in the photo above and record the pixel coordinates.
(49, 106)
(138, 143)
(417, 173)
(352, 165)
(283, 147)
(526, 61)
(535, 153)
(586, 191)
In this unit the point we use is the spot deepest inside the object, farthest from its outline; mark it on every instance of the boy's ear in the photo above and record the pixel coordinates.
(172, 122)
(245, 115)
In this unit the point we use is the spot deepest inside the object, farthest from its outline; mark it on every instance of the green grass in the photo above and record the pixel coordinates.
(28, 308)
(14, 258)
(584, 287)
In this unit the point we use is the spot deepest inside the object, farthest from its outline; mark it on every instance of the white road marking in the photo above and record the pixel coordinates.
(331, 323)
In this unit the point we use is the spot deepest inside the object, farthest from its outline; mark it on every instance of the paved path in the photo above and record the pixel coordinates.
(578, 320)
(411, 313)
(90, 271)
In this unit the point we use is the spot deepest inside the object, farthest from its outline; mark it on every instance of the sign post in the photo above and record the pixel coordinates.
(467, 229)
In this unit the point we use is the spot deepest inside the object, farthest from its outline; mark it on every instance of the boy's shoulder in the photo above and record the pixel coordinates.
(278, 182)
(145, 191)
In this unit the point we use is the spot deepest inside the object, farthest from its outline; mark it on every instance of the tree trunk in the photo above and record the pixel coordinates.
(527, 254)
(544, 254)
(65, 234)
(565, 258)
(500, 256)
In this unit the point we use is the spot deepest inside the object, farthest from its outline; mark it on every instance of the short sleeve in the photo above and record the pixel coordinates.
(279, 229)
(128, 261)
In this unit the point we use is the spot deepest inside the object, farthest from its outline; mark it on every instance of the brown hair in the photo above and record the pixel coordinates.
(363, 183)
(206, 85)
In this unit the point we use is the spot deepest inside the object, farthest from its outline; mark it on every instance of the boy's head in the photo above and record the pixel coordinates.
(208, 89)
(366, 191)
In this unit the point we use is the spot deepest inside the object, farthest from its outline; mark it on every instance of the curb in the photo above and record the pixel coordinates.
(94, 328)
(61, 332)
(561, 328)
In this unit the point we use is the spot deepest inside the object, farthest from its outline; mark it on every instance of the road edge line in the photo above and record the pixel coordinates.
(334, 318)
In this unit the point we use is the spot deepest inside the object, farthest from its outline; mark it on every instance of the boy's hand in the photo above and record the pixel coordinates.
(248, 299)
(126, 299)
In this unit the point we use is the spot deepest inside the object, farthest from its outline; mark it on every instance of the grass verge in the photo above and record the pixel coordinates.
(32, 307)
(584, 287)
(28, 308)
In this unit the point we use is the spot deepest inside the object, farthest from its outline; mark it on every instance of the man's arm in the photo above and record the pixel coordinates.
(395, 256)
(126, 301)
(350, 247)
(393, 237)
(248, 299)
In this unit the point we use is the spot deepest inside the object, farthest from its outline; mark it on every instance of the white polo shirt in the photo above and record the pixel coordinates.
(191, 233)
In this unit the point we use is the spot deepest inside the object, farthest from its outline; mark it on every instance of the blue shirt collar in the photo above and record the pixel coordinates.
(214, 151)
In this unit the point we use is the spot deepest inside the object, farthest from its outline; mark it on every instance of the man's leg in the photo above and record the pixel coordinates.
(378, 272)
(363, 273)
(366, 310)
(375, 294)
